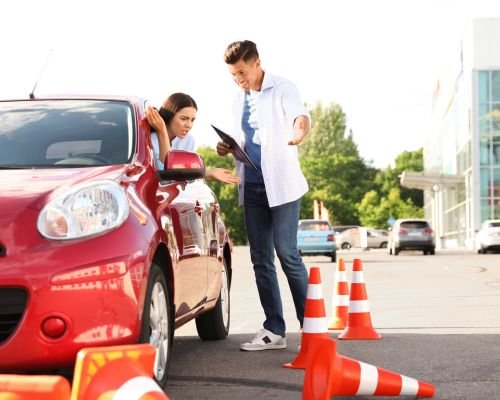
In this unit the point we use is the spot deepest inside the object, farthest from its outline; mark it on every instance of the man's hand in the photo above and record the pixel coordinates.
(301, 127)
(223, 148)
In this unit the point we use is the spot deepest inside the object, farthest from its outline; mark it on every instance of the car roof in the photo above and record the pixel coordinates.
(77, 97)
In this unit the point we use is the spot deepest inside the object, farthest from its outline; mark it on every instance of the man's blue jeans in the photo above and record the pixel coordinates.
(269, 229)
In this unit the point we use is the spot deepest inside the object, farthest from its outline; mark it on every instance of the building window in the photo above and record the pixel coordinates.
(489, 143)
(484, 87)
(495, 85)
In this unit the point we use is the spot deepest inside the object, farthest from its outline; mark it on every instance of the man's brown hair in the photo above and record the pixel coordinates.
(245, 50)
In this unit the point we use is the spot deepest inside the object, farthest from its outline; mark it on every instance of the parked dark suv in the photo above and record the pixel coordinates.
(411, 234)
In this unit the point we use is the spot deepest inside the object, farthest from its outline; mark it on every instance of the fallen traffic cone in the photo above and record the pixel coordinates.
(340, 298)
(330, 374)
(105, 373)
(359, 322)
(34, 387)
(314, 324)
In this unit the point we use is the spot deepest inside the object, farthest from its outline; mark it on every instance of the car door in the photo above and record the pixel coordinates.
(190, 263)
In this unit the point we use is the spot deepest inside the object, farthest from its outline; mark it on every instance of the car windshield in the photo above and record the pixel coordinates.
(65, 133)
(314, 226)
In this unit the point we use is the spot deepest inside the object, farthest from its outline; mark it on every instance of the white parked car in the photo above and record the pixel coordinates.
(488, 237)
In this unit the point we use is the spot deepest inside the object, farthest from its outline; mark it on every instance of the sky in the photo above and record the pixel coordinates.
(379, 60)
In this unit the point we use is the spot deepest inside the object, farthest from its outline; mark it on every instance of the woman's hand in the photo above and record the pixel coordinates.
(155, 120)
(223, 175)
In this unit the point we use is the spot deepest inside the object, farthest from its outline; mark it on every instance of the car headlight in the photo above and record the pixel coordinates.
(87, 210)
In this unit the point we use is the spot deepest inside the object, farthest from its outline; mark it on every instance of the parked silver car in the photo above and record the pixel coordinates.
(376, 238)
(411, 234)
(488, 237)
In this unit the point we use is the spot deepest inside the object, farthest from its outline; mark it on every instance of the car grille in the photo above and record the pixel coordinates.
(12, 305)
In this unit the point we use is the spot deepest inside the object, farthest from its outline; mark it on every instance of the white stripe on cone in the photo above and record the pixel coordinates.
(340, 276)
(314, 325)
(135, 388)
(340, 300)
(314, 291)
(357, 277)
(359, 306)
(368, 379)
(409, 386)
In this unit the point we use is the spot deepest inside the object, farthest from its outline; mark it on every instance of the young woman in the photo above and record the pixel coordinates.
(172, 124)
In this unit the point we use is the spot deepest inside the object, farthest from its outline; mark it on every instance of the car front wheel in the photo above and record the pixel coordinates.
(157, 327)
(214, 324)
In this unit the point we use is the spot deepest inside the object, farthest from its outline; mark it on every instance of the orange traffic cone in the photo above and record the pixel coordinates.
(314, 324)
(340, 298)
(105, 373)
(359, 322)
(34, 387)
(330, 374)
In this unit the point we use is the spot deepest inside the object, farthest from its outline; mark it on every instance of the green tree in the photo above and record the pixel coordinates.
(336, 173)
(390, 199)
(389, 177)
(227, 195)
(375, 211)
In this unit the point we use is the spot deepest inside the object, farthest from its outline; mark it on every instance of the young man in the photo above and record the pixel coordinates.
(270, 120)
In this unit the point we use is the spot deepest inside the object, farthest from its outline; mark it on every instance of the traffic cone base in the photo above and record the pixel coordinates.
(104, 373)
(330, 374)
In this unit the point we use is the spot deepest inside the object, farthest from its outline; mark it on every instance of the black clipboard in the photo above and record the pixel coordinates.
(238, 152)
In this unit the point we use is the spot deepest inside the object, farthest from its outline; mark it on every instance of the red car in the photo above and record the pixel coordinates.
(98, 247)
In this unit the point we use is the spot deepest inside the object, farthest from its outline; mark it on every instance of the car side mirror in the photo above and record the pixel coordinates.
(181, 165)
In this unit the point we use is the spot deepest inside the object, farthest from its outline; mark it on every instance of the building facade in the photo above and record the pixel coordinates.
(461, 177)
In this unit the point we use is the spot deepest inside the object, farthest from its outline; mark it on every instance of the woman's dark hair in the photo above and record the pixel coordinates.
(242, 50)
(174, 103)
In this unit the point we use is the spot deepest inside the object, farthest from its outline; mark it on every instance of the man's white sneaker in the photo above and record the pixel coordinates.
(264, 340)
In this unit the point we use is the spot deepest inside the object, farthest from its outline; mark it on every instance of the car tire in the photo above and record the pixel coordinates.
(383, 245)
(157, 322)
(346, 246)
(432, 251)
(334, 256)
(214, 324)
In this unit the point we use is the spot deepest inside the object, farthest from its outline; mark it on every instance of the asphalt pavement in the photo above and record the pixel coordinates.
(438, 316)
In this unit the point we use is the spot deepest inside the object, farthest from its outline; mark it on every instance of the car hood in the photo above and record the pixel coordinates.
(33, 188)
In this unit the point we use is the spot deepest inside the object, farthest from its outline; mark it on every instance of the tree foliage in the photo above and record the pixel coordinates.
(336, 173)
(375, 211)
(389, 178)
